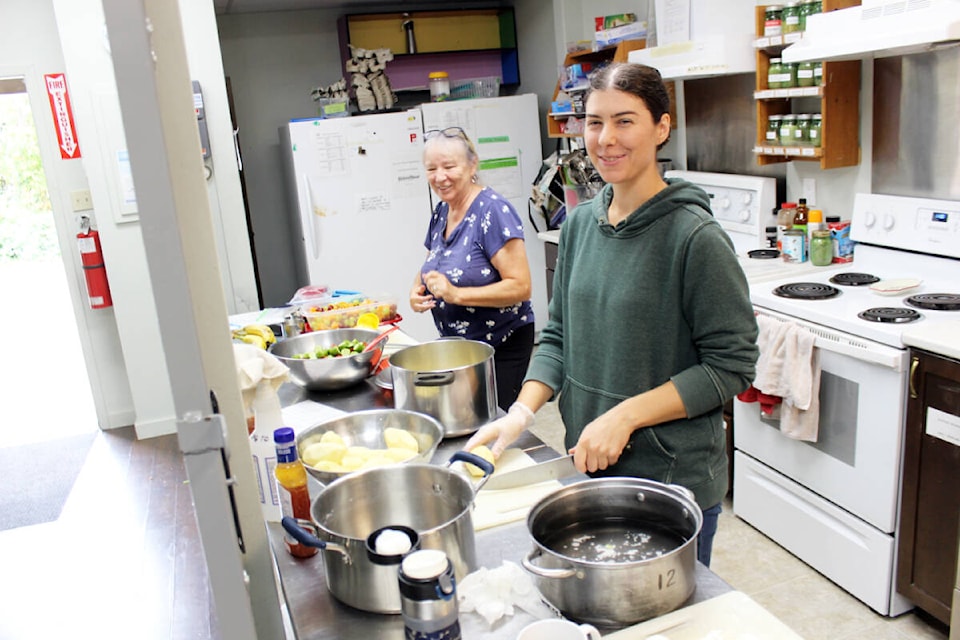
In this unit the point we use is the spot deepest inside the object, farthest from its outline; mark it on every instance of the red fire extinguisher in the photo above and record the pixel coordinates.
(91, 255)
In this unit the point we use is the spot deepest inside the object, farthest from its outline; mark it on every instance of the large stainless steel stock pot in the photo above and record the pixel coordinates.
(615, 551)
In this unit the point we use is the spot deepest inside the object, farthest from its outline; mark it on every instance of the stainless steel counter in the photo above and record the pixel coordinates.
(316, 614)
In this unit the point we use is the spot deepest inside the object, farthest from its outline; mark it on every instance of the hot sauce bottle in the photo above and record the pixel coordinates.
(292, 487)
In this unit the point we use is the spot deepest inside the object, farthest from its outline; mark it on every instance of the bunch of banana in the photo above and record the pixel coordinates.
(259, 335)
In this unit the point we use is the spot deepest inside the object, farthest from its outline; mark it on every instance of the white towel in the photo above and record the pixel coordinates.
(789, 367)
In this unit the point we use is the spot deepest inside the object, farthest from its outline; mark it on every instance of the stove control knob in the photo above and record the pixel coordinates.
(747, 197)
(869, 219)
(724, 203)
(745, 215)
(888, 222)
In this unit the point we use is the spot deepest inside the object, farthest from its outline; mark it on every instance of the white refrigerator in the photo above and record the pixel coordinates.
(363, 203)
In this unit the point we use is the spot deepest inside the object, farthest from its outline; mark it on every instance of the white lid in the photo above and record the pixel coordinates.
(424, 564)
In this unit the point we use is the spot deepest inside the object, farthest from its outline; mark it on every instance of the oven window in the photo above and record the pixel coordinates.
(839, 410)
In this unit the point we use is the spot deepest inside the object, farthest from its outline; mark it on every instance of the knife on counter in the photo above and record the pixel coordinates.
(554, 469)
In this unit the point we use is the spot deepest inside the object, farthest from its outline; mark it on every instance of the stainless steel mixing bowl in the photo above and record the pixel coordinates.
(327, 374)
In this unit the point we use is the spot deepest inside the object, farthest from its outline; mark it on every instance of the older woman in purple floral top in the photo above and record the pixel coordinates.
(476, 279)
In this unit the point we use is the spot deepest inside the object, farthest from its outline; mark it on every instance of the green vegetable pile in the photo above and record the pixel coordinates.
(345, 348)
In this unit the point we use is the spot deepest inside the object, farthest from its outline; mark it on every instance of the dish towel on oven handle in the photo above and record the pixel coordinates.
(789, 367)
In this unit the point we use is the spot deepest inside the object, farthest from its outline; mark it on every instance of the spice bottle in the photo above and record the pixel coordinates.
(801, 217)
(292, 487)
(784, 221)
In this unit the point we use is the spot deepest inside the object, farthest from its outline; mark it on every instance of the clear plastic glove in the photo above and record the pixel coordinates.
(503, 431)
(495, 593)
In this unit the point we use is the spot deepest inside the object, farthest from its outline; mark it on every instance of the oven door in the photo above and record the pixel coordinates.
(855, 462)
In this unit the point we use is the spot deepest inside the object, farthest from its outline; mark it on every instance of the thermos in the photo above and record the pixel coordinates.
(428, 596)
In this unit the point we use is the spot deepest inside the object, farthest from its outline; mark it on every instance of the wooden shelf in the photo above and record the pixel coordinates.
(616, 53)
(838, 98)
(467, 44)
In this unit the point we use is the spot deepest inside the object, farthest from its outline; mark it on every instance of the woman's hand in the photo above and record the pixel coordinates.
(420, 298)
(502, 431)
(440, 287)
(601, 443)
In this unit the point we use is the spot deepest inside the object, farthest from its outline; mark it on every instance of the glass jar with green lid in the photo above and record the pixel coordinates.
(821, 248)
(791, 17)
(772, 135)
(805, 74)
(818, 74)
(773, 20)
(815, 129)
(801, 129)
(787, 125)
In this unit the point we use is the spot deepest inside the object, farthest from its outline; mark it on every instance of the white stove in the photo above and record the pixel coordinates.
(834, 502)
(745, 206)
(896, 229)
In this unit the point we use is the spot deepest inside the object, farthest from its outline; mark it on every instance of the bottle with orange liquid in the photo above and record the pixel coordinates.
(292, 487)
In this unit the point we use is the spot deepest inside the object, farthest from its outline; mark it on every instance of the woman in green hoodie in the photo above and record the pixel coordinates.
(651, 329)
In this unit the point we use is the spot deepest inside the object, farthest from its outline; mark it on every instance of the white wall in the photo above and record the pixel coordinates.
(30, 46)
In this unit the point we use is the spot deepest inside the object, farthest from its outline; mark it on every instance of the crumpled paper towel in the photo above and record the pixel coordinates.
(260, 374)
(493, 593)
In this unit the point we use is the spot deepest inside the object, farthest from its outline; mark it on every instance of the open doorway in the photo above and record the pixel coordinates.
(43, 377)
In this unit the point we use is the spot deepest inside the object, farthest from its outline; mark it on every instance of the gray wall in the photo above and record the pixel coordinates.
(274, 59)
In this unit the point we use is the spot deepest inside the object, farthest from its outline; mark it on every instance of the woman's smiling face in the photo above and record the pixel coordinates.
(621, 136)
(449, 172)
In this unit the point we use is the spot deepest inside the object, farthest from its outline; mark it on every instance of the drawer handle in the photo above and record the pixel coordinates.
(913, 370)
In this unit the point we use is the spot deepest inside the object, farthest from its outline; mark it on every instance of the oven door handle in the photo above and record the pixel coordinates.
(913, 371)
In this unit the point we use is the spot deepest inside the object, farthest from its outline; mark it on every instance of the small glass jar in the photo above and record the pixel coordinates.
(772, 134)
(821, 248)
(818, 74)
(808, 8)
(801, 129)
(791, 17)
(787, 125)
(789, 75)
(805, 74)
(772, 20)
(439, 86)
(775, 75)
(815, 130)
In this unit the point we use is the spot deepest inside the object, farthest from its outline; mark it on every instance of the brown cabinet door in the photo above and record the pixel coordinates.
(930, 512)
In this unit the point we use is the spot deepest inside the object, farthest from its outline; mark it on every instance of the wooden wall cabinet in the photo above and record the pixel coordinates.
(615, 53)
(930, 495)
(837, 100)
(466, 43)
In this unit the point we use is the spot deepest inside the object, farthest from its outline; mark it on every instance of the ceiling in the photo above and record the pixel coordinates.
(251, 6)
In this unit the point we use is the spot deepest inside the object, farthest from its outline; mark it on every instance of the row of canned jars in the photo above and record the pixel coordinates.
(794, 130)
(785, 75)
(789, 17)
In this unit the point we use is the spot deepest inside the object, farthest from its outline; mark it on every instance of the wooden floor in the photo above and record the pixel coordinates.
(123, 561)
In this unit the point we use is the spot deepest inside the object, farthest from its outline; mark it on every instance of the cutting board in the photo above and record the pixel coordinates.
(732, 616)
(493, 508)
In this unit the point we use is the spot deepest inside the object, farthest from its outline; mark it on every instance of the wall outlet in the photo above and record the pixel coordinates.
(81, 200)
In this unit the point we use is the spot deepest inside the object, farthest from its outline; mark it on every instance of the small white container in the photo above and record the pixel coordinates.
(439, 86)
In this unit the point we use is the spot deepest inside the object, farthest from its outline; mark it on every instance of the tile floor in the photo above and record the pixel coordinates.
(807, 602)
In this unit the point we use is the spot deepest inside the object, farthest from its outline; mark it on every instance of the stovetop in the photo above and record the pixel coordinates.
(891, 232)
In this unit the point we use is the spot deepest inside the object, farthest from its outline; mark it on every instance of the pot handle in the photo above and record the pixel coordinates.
(433, 379)
(484, 465)
(301, 535)
(527, 563)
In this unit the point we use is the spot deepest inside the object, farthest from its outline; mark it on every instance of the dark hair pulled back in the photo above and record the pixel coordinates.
(637, 79)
